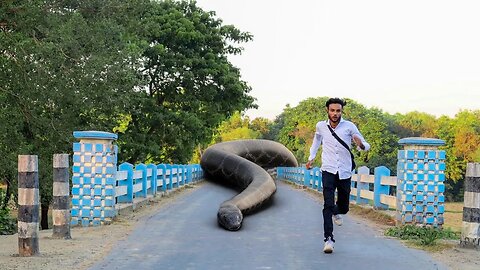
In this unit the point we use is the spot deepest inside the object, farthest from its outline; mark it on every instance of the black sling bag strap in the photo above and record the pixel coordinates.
(344, 145)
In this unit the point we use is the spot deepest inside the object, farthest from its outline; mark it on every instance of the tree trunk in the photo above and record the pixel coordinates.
(44, 217)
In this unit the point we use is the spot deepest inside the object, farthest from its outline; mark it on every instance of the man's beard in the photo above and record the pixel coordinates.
(333, 121)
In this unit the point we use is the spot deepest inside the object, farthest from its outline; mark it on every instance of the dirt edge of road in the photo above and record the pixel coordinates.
(88, 244)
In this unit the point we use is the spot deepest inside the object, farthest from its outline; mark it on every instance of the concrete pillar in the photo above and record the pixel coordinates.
(306, 177)
(471, 210)
(364, 170)
(420, 187)
(28, 205)
(93, 181)
(61, 197)
(378, 188)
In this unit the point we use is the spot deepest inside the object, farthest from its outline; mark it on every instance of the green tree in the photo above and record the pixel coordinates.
(417, 124)
(262, 125)
(235, 128)
(64, 67)
(462, 137)
(156, 72)
(298, 126)
(275, 127)
(191, 86)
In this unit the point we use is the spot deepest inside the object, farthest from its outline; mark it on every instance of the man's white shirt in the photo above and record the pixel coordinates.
(335, 157)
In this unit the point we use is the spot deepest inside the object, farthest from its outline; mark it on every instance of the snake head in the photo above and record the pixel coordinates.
(230, 217)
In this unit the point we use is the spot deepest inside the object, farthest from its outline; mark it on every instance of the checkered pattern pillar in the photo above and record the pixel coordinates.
(420, 187)
(471, 208)
(93, 180)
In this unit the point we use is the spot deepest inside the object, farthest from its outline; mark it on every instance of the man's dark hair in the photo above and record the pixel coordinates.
(335, 101)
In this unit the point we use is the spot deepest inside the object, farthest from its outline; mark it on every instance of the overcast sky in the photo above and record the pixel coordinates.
(399, 56)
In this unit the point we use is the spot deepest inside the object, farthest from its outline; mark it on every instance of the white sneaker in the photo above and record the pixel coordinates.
(328, 247)
(338, 220)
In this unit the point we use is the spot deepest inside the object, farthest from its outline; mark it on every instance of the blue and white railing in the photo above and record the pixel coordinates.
(417, 192)
(144, 180)
(99, 189)
(376, 188)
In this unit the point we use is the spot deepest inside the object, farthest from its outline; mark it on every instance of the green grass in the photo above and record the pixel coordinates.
(422, 236)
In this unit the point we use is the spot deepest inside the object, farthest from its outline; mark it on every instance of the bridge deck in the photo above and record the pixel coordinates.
(286, 235)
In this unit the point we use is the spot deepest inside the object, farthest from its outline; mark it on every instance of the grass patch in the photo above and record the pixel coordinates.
(422, 236)
(439, 246)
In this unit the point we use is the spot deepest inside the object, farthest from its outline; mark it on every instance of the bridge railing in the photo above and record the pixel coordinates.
(149, 179)
(378, 188)
(100, 189)
(417, 192)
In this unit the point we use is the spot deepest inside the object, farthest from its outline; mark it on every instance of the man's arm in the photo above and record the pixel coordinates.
(359, 140)
(317, 141)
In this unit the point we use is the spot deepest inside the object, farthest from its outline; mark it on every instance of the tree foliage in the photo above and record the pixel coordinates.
(156, 72)
(416, 124)
(64, 67)
(190, 87)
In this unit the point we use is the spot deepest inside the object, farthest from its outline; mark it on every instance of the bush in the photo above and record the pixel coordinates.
(7, 223)
(425, 236)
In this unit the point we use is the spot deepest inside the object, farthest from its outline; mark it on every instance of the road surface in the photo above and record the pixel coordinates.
(286, 235)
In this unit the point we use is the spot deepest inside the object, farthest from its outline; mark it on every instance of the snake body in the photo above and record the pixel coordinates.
(244, 163)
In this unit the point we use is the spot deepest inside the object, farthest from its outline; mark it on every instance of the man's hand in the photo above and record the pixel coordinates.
(309, 164)
(358, 142)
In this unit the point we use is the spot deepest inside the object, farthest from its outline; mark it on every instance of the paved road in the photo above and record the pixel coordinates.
(286, 235)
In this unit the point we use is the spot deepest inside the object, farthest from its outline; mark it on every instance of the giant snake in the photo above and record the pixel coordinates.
(244, 163)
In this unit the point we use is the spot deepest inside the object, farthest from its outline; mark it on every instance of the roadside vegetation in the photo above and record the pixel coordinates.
(427, 238)
(8, 224)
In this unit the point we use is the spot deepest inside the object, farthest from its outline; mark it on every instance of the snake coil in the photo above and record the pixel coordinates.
(244, 163)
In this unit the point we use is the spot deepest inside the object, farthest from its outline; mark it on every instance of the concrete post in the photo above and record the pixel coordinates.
(306, 177)
(94, 170)
(143, 168)
(318, 177)
(378, 188)
(127, 198)
(28, 206)
(420, 187)
(61, 197)
(471, 210)
(163, 169)
(169, 168)
(153, 179)
(364, 170)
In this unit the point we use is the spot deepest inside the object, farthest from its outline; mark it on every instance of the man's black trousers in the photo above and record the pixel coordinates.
(331, 182)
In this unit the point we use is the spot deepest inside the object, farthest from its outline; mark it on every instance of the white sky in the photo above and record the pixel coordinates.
(399, 56)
